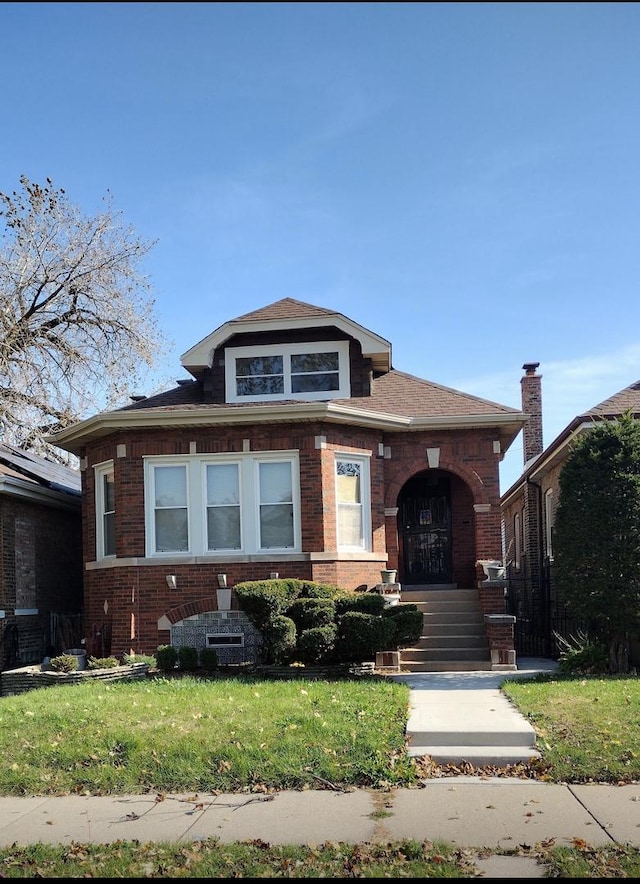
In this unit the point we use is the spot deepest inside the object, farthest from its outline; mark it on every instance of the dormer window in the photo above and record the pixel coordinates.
(288, 371)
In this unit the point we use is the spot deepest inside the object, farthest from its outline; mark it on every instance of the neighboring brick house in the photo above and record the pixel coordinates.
(295, 448)
(40, 557)
(528, 514)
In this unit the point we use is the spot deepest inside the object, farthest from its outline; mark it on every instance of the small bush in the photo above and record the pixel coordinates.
(281, 639)
(309, 613)
(262, 600)
(581, 655)
(64, 663)
(364, 602)
(102, 662)
(209, 659)
(316, 645)
(167, 658)
(408, 622)
(188, 658)
(129, 659)
(360, 636)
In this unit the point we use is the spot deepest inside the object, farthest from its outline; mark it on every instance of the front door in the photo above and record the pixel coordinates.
(425, 511)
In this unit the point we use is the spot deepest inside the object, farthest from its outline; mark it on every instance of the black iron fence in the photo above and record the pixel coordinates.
(540, 612)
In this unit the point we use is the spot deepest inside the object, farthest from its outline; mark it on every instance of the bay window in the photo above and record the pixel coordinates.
(221, 504)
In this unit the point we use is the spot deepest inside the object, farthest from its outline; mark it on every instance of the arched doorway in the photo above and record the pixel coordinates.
(424, 514)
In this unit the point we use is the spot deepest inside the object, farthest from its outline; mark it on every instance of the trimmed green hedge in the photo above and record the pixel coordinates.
(311, 623)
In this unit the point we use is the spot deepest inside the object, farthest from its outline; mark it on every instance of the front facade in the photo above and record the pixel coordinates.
(41, 557)
(528, 515)
(295, 448)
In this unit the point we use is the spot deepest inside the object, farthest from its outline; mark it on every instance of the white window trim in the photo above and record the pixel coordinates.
(365, 490)
(248, 465)
(517, 534)
(287, 351)
(548, 522)
(100, 471)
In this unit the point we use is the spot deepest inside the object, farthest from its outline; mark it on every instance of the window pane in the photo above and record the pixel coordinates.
(276, 526)
(109, 534)
(171, 486)
(275, 483)
(314, 362)
(171, 530)
(109, 494)
(350, 526)
(222, 484)
(348, 482)
(314, 383)
(260, 386)
(258, 365)
(223, 527)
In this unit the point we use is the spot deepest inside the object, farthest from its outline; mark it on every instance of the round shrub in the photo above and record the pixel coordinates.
(365, 602)
(188, 658)
(308, 613)
(316, 645)
(280, 639)
(166, 658)
(408, 624)
(360, 636)
(64, 663)
(209, 659)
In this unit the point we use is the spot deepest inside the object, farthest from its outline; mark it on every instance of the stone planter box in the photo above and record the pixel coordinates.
(18, 681)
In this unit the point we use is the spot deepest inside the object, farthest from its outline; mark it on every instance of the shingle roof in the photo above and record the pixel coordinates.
(399, 393)
(625, 400)
(31, 467)
(395, 393)
(286, 308)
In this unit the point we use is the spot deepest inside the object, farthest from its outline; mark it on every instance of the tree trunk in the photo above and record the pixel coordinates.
(618, 653)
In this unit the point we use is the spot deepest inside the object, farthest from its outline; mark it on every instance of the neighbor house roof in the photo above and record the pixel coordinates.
(625, 400)
(26, 474)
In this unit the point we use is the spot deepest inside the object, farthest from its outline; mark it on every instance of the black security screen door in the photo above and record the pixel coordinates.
(425, 511)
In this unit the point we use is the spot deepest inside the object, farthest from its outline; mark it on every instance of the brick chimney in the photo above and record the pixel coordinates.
(531, 385)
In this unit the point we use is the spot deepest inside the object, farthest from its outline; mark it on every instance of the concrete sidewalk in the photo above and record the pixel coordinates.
(466, 811)
(470, 812)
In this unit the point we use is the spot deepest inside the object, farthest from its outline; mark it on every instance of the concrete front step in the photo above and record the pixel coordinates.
(478, 756)
(462, 652)
(457, 628)
(445, 665)
(459, 640)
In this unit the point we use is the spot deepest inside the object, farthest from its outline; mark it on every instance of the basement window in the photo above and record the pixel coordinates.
(225, 640)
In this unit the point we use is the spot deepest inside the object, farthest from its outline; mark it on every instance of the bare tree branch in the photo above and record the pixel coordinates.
(77, 323)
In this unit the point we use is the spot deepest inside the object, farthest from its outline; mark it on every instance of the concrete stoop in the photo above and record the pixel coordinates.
(454, 637)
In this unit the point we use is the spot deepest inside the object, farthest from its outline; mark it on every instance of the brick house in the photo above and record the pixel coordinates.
(528, 513)
(41, 557)
(296, 448)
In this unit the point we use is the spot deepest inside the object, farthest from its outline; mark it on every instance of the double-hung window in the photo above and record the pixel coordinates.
(291, 371)
(548, 521)
(353, 502)
(171, 508)
(105, 511)
(222, 504)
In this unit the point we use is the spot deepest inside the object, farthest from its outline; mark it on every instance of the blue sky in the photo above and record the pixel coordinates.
(461, 178)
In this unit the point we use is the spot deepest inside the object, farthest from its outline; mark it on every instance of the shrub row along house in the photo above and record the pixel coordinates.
(294, 448)
(41, 556)
(529, 507)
